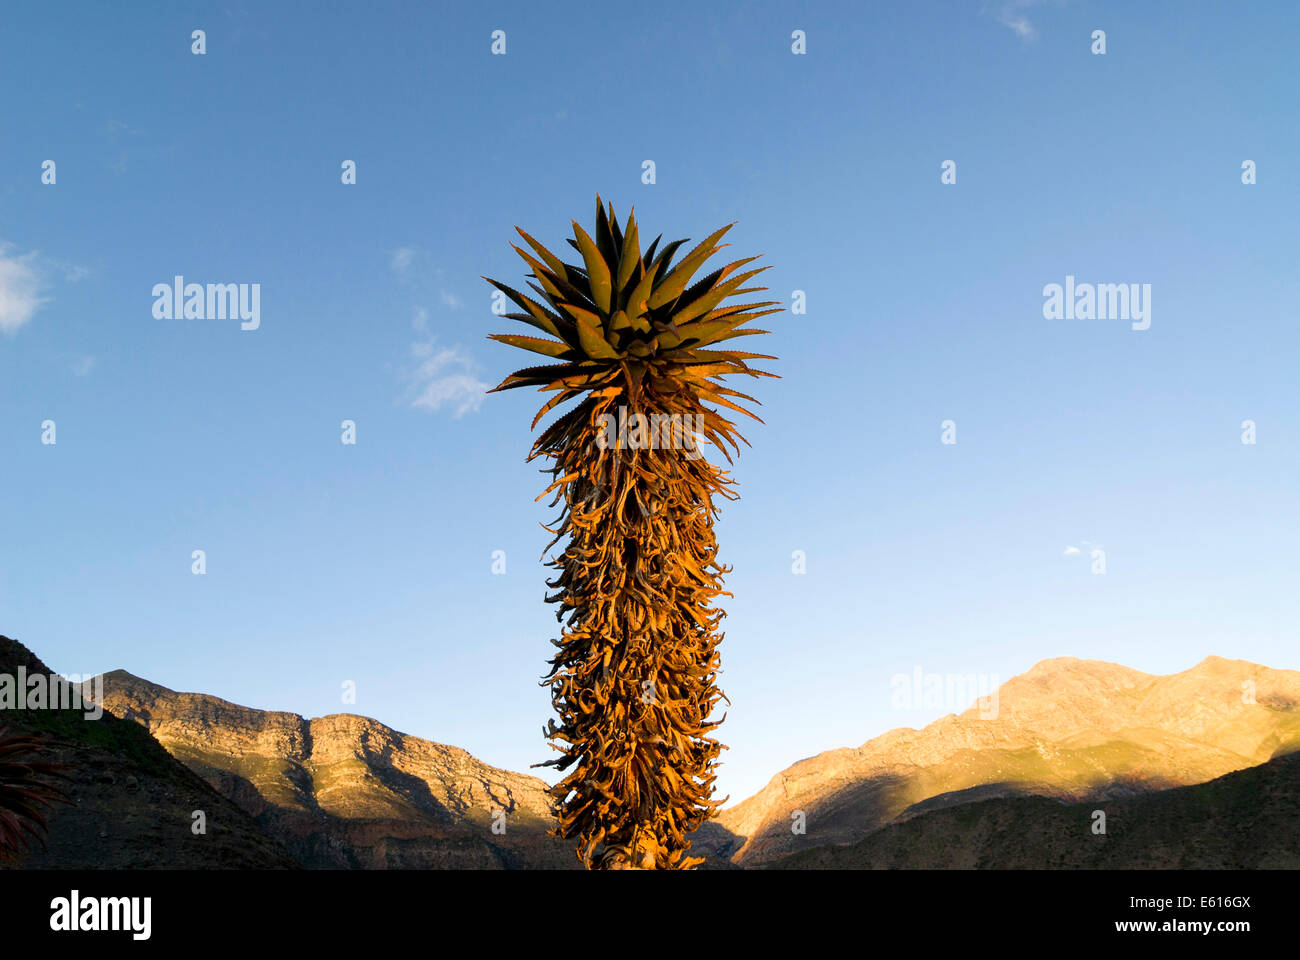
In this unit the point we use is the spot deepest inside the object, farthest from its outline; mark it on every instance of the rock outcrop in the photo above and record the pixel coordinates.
(346, 791)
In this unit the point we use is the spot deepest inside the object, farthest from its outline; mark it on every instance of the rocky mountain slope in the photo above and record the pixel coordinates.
(1067, 729)
(1242, 821)
(1068, 737)
(132, 802)
(347, 791)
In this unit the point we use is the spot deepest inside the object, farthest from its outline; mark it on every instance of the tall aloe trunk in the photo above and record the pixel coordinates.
(634, 681)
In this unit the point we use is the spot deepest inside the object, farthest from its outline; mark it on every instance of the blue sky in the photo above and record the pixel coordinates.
(372, 562)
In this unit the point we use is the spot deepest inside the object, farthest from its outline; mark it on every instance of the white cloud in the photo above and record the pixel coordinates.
(444, 378)
(1070, 551)
(450, 299)
(83, 366)
(21, 285)
(1020, 25)
(401, 259)
(23, 282)
(1013, 14)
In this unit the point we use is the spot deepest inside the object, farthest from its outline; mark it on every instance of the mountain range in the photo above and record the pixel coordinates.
(345, 791)
(1209, 748)
(1068, 729)
(132, 803)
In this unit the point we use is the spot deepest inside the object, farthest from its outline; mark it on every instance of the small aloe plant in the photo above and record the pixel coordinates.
(24, 791)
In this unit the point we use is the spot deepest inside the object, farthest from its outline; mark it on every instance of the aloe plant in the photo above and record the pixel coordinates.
(644, 351)
(24, 791)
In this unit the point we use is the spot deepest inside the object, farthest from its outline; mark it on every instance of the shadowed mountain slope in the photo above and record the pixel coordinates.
(1067, 729)
(1241, 821)
(132, 802)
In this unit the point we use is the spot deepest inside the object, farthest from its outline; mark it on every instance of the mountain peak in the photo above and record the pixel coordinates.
(1068, 728)
(1214, 664)
(1062, 665)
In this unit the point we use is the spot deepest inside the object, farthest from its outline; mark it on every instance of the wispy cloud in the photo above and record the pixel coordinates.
(437, 377)
(83, 366)
(1014, 15)
(71, 272)
(24, 282)
(115, 127)
(443, 378)
(402, 259)
(1020, 24)
(1085, 546)
(21, 285)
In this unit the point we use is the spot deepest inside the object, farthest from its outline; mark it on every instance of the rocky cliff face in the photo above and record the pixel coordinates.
(345, 790)
(132, 804)
(1067, 729)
